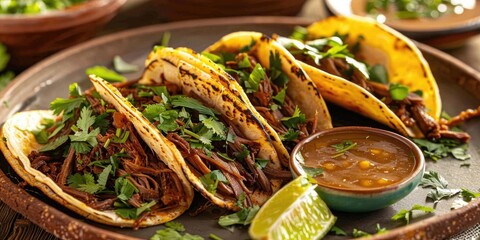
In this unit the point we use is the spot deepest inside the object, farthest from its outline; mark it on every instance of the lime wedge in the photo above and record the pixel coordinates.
(295, 212)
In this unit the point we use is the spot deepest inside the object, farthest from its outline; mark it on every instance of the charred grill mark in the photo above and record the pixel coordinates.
(265, 38)
(168, 61)
(365, 95)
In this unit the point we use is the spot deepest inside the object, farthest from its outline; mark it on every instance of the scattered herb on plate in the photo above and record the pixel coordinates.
(407, 215)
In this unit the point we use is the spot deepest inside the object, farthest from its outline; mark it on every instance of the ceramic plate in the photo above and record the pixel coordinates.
(38, 86)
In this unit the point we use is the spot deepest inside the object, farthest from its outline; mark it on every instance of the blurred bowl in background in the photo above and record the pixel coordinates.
(30, 38)
(174, 10)
(445, 32)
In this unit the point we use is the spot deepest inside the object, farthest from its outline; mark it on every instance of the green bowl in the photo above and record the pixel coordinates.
(363, 200)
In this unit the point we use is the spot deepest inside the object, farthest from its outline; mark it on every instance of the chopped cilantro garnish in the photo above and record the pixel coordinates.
(86, 182)
(432, 179)
(312, 171)
(276, 73)
(243, 154)
(439, 185)
(66, 105)
(378, 73)
(442, 148)
(299, 33)
(342, 147)
(210, 180)
(217, 127)
(248, 47)
(188, 102)
(280, 97)
(261, 163)
(167, 121)
(124, 189)
(175, 226)
(398, 92)
(244, 217)
(295, 119)
(338, 231)
(83, 139)
(105, 73)
(152, 111)
(406, 215)
(290, 135)
(254, 79)
(244, 63)
(134, 213)
(54, 145)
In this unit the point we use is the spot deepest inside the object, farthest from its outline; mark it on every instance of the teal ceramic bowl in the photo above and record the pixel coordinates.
(361, 199)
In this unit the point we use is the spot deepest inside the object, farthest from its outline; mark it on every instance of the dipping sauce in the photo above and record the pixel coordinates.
(447, 17)
(357, 161)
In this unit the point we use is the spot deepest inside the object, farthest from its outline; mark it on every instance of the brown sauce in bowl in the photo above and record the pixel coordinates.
(446, 21)
(371, 161)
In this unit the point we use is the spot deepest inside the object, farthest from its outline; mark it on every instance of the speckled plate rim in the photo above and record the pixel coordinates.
(436, 227)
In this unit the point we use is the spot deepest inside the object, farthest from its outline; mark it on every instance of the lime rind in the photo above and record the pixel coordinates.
(295, 212)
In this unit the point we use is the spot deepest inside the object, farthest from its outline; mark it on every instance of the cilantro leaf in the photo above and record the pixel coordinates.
(175, 226)
(245, 62)
(299, 33)
(406, 215)
(86, 119)
(378, 73)
(74, 90)
(468, 195)
(342, 147)
(124, 189)
(312, 171)
(398, 91)
(295, 119)
(167, 121)
(134, 213)
(290, 135)
(280, 97)
(66, 105)
(442, 148)
(357, 233)
(105, 73)
(54, 145)
(103, 176)
(432, 179)
(102, 122)
(216, 126)
(276, 72)
(191, 103)
(442, 193)
(338, 231)
(167, 233)
(123, 67)
(210, 180)
(75, 180)
(254, 79)
(261, 163)
(248, 47)
(152, 111)
(244, 217)
(243, 154)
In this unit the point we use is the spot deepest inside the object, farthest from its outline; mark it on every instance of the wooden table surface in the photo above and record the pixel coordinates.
(137, 13)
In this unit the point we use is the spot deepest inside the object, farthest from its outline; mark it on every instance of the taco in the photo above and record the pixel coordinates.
(219, 143)
(371, 69)
(275, 87)
(94, 156)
